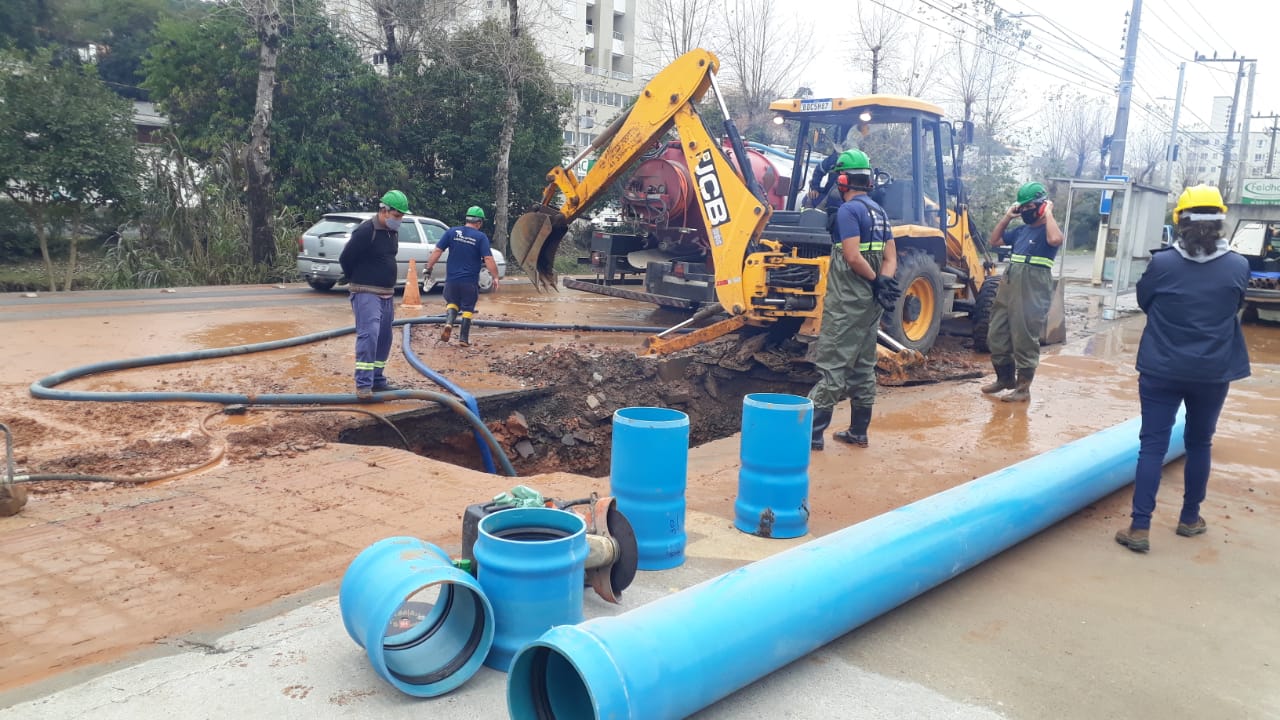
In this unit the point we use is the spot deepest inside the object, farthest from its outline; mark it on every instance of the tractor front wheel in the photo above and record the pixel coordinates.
(917, 316)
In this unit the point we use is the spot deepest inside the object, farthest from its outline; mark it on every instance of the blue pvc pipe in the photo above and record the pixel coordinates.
(648, 468)
(530, 562)
(679, 654)
(773, 480)
(467, 398)
(438, 653)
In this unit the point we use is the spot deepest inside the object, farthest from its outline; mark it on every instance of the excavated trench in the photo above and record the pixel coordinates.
(563, 422)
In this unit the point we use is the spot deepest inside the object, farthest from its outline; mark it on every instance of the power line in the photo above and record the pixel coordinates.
(1206, 22)
(1077, 75)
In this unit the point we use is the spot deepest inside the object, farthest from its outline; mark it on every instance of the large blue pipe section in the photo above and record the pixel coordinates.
(422, 657)
(773, 481)
(648, 469)
(679, 654)
(530, 562)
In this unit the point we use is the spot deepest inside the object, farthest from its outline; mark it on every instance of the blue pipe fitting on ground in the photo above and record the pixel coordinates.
(773, 480)
(683, 652)
(648, 469)
(530, 563)
(421, 650)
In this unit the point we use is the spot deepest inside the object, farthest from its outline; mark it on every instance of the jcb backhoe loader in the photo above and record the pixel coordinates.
(761, 273)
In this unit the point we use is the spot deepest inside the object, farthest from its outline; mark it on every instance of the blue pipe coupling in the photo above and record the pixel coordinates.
(773, 479)
(530, 562)
(677, 655)
(648, 470)
(424, 624)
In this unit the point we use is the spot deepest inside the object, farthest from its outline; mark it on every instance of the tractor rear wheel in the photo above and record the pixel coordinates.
(981, 316)
(917, 316)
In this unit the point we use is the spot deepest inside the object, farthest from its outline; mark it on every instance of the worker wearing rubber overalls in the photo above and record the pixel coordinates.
(1026, 291)
(860, 287)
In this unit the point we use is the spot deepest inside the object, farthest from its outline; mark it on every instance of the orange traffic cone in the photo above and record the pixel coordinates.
(411, 297)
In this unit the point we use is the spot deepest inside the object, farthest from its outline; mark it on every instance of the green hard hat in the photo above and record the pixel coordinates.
(396, 200)
(852, 160)
(1031, 191)
(475, 212)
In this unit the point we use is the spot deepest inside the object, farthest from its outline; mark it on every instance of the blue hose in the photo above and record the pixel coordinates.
(435, 377)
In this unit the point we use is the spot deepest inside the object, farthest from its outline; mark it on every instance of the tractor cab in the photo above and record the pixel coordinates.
(906, 139)
(942, 264)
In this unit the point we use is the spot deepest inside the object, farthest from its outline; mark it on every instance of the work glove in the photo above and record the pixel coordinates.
(885, 290)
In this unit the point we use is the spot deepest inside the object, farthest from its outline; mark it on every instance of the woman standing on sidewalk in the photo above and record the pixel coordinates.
(1191, 350)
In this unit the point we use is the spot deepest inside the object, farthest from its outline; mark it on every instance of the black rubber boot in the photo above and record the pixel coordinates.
(464, 331)
(1022, 390)
(859, 421)
(821, 421)
(450, 318)
(1004, 380)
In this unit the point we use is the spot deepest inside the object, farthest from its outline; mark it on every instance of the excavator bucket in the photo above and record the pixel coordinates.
(896, 363)
(535, 238)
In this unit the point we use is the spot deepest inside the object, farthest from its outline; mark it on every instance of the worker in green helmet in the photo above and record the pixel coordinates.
(369, 263)
(469, 249)
(1026, 291)
(860, 287)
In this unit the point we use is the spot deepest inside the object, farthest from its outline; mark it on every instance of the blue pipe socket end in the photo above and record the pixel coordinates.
(773, 480)
(425, 624)
(531, 567)
(648, 470)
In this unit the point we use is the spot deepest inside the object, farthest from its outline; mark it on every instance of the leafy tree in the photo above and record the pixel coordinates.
(66, 147)
(330, 116)
(448, 120)
(25, 24)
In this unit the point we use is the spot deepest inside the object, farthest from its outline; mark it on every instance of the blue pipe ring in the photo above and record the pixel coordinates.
(434, 654)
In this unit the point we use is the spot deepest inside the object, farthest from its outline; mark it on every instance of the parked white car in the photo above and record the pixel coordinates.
(322, 243)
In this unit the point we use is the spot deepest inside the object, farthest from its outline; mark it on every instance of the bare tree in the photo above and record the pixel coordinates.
(267, 20)
(1085, 124)
(919, 72)
(880, 32)
(675, 27)
(1145, 153)
(396, 30)
(983, 66)
(764, 54)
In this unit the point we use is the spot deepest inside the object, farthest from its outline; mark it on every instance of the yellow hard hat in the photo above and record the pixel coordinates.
(1198, 196)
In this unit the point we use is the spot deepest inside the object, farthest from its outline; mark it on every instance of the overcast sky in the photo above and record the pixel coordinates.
(1079, 42)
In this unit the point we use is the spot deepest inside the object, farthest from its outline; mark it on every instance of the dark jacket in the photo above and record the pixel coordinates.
(369, 259)
(1193, 327)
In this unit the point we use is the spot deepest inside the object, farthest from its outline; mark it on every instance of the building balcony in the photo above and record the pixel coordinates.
(619, 45)
(589, 41)
(619, 7)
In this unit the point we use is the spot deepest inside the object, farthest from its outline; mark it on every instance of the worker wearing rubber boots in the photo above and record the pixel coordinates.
(369, 262)
(860, 287)
(468, 249)
(1026, 291)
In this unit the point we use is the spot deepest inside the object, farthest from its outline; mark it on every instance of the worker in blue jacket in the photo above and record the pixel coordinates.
(1191, 350)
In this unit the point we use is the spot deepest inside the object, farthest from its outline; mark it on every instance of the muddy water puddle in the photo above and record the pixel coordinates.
(236, 334)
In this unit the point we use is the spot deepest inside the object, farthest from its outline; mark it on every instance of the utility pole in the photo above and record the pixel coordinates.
(1171, 153)
(1243, 162)
(1271, 153)
(1119, 135)
(1231, 123)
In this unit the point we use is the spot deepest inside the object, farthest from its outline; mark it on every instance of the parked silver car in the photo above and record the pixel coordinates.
(322, 243)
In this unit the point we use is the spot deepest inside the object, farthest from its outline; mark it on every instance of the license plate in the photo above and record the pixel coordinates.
(318, 267)
(815, 105)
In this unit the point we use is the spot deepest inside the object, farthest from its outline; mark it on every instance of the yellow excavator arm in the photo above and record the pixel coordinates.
(757, 282)
(733, 214)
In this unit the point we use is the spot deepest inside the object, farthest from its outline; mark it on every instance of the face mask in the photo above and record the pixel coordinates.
(392, 223)
(1030, 216)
